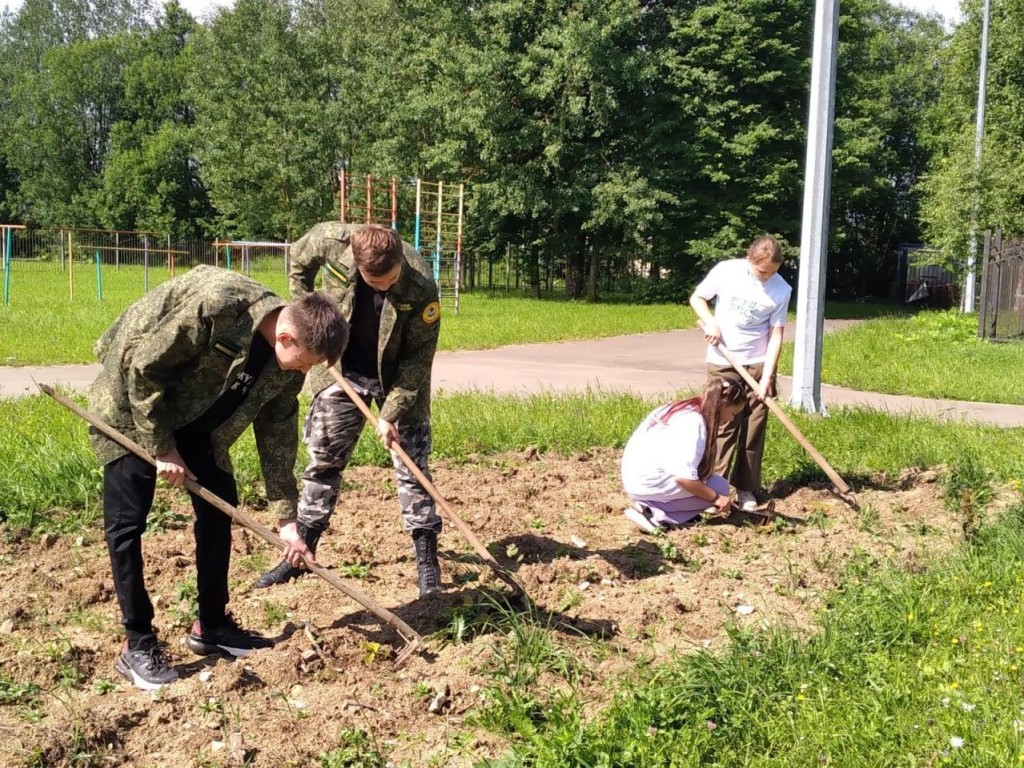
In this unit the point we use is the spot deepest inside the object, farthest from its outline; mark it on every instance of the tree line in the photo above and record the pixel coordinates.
(594, 135)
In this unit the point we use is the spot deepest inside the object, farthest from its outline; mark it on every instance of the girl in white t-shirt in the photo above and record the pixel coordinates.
(751, 300)
(667, 465)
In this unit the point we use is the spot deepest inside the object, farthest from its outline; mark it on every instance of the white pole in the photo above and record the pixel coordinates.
(810, 301)
(979, 134)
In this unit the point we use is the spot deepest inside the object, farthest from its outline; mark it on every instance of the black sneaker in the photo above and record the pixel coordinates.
(145, 666)
(225, 638)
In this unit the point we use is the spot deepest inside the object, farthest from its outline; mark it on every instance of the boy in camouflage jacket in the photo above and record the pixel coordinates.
(387, 293)
(185, 370)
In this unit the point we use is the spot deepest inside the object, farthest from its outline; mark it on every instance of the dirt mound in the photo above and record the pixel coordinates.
(557, 522)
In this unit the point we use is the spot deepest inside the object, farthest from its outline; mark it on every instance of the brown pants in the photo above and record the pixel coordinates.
(746, 431)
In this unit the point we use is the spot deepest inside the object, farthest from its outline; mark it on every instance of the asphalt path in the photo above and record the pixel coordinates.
(650, 364)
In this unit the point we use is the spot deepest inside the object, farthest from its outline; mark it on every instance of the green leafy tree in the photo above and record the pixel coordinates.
(961, 197)
(739, 75)
(62, 64)
(151, 179)
(265, 148)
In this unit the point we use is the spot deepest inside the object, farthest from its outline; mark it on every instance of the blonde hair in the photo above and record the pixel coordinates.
(765, 248)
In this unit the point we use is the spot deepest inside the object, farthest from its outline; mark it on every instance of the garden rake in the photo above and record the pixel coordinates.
(411, 638)
(843, 491)
(449, 513)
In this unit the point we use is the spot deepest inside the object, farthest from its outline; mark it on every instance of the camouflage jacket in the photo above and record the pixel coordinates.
(409, 320)
(169, 357)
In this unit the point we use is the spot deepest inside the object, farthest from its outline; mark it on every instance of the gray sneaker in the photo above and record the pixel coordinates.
(145, 665)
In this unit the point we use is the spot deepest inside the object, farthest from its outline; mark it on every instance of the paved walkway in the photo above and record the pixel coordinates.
(647, 364)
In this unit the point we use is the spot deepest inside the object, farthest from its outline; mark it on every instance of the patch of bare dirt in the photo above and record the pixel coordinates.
(557, 522)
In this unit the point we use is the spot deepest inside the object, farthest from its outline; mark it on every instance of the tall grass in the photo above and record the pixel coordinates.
(48, 473)
(46, 464)
(931, 354)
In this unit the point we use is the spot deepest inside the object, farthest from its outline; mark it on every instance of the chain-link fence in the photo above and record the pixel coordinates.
(1001, 309)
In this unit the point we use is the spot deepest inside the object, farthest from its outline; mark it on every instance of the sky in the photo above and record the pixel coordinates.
(200, 8)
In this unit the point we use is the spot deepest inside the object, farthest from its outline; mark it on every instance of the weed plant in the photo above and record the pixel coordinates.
(931, 354)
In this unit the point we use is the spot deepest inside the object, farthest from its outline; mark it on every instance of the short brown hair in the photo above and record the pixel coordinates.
(765, 247)
(377, 250)
(319, 325)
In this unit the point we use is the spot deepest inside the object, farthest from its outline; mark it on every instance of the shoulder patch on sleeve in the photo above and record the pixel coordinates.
(432, 313)
(225, 348)
(336, 272)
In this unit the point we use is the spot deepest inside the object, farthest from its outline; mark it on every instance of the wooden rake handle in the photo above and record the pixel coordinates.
(407, 633)
(449, 513)
(775, 408)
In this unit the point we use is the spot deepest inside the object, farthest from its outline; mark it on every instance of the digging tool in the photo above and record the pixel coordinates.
(842, 489)
(471, 537)
(407, 633)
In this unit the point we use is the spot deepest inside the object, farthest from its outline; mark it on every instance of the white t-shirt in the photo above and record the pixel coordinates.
(659, 452)
(746, 309)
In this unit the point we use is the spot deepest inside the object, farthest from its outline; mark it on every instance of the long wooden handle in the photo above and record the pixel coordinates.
(450, 514)
(407, 633)
(839, 483)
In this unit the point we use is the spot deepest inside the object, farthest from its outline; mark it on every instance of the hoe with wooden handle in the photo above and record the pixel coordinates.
(412, 639)
(449, 513)
(843, 491)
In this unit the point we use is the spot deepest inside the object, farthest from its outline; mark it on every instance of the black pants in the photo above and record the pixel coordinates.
(128, 487)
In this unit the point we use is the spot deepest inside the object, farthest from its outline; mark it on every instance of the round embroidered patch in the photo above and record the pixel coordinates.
(431, 313)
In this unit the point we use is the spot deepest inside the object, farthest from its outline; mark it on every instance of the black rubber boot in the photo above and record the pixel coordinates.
(282, 573)
(427, 567)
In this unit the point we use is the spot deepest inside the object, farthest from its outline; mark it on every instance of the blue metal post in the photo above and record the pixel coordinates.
(99, 276)
(7, 265)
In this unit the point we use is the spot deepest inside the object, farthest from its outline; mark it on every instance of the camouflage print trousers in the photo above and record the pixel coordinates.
(333, 426)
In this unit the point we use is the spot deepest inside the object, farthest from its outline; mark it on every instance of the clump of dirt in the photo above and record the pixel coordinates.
(555, 522)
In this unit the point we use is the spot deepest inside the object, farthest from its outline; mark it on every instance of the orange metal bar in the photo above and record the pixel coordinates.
(369, 201)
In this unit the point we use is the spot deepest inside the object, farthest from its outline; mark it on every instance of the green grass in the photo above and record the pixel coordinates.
(52, 320)
(51, 479)
(486, 321)
(931, 354)
(920, 669)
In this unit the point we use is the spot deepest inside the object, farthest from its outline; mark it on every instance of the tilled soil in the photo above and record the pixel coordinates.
(609, 593)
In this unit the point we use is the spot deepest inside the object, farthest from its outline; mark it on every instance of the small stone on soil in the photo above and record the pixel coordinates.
(441, 702)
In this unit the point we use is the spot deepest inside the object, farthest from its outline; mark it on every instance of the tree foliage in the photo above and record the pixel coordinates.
(962, 197)
(600, 140)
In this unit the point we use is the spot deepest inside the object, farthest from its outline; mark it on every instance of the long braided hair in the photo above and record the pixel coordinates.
(717, 393)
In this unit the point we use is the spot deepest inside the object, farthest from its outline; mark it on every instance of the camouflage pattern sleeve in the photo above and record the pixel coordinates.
(416, 359)
(156, 360)
(305, 262)
(276, 429)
